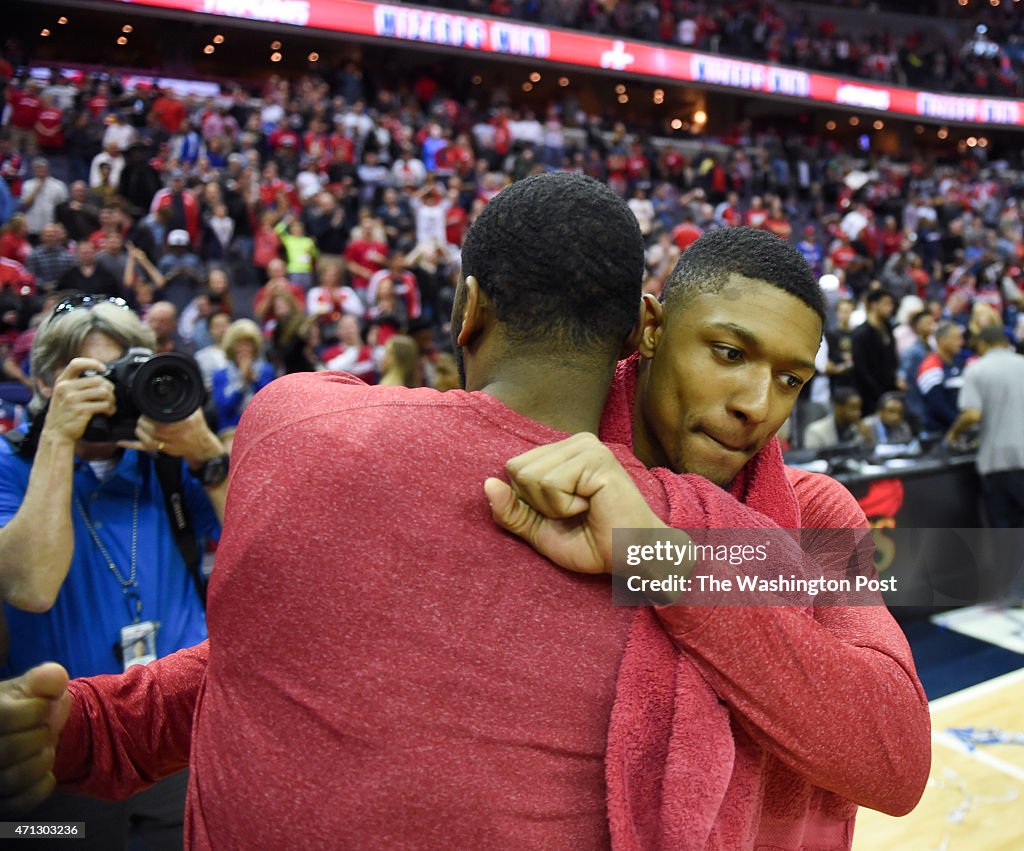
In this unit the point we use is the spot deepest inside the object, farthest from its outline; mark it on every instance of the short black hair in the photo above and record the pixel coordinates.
(842, 395)
(877, 295)
(760, 255)
(917, 317)
(562, 258)
(891, 396)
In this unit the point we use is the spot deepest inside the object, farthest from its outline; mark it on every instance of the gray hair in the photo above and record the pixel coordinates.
(60, 339)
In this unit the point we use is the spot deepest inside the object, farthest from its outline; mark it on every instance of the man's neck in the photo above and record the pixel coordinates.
(567, 398)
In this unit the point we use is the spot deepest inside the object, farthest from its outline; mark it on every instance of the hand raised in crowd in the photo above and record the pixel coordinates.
(33, 710)
(189, 438)
(77, 397)
(246, 362)
(565, 499)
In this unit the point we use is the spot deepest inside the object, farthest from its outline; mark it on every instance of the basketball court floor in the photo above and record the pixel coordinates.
(974, 800)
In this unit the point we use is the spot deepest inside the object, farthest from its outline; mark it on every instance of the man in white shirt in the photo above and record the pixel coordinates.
(430, 207)
(111, 154)
(40, 196)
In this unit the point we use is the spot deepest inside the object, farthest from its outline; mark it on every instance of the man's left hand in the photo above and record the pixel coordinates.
(564, 499)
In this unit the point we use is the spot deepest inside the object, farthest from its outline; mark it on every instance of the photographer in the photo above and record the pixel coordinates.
(90, 562)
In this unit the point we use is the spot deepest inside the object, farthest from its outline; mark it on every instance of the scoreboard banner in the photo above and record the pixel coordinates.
(451, 30)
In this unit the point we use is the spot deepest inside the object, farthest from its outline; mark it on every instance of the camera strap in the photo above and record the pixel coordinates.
(168, 471)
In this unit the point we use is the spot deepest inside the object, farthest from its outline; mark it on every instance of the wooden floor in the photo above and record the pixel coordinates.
(975, 795)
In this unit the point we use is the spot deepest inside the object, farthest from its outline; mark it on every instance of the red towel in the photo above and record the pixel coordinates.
(671, 747)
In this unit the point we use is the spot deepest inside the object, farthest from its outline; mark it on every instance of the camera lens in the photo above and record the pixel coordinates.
(168, 387)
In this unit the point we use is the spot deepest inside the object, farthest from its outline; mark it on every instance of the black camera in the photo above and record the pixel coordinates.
(166, 388)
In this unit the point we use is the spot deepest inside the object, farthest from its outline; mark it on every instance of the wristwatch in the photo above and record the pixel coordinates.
(211, 473)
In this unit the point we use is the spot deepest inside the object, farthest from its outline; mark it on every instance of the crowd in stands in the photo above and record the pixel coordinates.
(927, 57)
(308, 228)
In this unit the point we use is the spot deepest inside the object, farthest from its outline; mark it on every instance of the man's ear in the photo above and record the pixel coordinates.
(650, 326)
(475, 312)
(632, 342)
(44, 389)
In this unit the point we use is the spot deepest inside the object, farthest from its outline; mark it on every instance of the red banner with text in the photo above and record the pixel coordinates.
(667, 64)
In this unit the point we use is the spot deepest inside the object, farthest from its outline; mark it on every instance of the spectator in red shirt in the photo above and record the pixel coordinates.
(168, 111)
(843, 253)
(686, 233)
(49, 126)
(366, 253)
(25, 106)
(99, 103)
(777, 223)
(350, 354)
(11, 165)
(277, 283)
(14, 242)
(16, 278)
(890, 238)
(182, 203)
(455, 218)
(757, 215)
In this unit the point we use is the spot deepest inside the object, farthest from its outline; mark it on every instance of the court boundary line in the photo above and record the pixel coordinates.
(978, 689)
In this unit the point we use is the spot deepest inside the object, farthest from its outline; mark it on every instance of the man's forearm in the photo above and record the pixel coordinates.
(127, 731)
(966, 420)
(37, 544)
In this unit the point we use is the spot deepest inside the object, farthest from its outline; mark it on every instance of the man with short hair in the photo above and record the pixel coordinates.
(874, 351)
(50, 259)
(86, 276)
(78, 215)
(162, 318)
(993, 398)
(182, 270)
(538, 332)
(939, 379)
(40, 196)
(182, 203)
(923, 324)
(842, 426)
(840, 346)
(114, 158)
(889, 427)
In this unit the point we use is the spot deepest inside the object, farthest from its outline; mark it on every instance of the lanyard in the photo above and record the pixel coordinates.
(129, 586)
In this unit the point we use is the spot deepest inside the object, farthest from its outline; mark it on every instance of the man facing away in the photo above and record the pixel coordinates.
(499, 699)
(993, 397)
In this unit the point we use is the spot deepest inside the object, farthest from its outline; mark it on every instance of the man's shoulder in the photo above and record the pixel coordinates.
(300, 396)
(1008, 366)
(824, 502)
(822, 426)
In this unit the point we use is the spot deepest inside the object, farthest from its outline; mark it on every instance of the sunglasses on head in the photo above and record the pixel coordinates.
(80, 301)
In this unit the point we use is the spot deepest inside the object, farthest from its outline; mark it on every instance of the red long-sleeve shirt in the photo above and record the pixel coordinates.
(365, 700)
